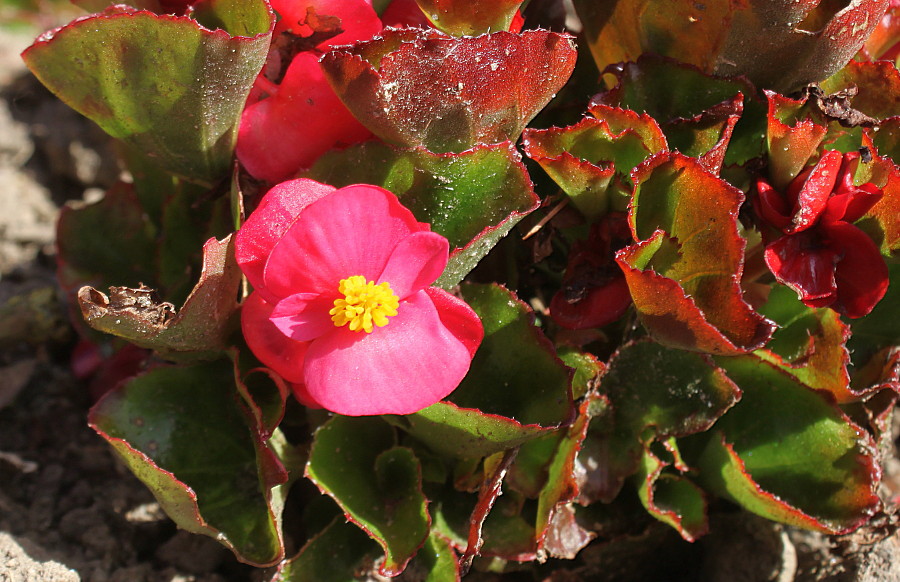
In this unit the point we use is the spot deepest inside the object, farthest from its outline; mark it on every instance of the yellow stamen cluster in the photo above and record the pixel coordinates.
(364, 304)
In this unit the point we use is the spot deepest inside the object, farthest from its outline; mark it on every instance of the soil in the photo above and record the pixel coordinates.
(70, 511)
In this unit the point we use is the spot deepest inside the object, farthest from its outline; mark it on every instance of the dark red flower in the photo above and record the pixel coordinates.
(819, 253)
(594, 291)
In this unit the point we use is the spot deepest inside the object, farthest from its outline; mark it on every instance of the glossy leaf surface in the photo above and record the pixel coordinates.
(685, 275)
(470, 17)
(448, 94)
(354, 461)
(164, 84)
(778, 44)
(182, 431)
(787, 454)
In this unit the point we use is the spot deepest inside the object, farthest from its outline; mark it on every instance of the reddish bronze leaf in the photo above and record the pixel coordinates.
(422, 88)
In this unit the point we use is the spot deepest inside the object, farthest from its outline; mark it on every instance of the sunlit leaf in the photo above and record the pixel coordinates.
(166, 85)
(182, 431)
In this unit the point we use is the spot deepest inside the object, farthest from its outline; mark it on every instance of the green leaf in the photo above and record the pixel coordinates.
(672, 499)
(473, 198)
(435, 562)
(555, 527)
(809, 344)
(879, 329)
(377, 485)
(182, 431)
(109, 242)
(793, 134)
(878, 83)
(165, 85)
(685, 275)
(786, 453)
(590, 159)
(200, 330)
(470, 17)
(339, 553)
(654, 393)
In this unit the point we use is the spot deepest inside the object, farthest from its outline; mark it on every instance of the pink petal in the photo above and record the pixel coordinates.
(358, 19)
(401, 368)
(304, 317)
(815, 191)
(351, 232)
(803, 263)
(417, 261)
(290, 130)
(274, 349)
(460, 319)
(302, 395)
(276, 212)
(861, 273)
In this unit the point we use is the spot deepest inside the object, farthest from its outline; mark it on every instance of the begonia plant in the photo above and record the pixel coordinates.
(483, 285)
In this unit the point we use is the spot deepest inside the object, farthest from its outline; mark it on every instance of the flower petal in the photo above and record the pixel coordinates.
(804, 263)
(850, 205)
(290, 129)
(276, 212)
(304, 316)
(409, 364)
(816, 188)
(771, 205)
(600, 306)
(460, 319)
(861, 274)
(417, 261)
(274, 349)
(358, 19)
(332, 240)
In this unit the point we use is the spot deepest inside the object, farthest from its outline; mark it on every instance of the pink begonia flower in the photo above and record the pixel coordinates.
(819, 253)
(342, 307)
(302, 117)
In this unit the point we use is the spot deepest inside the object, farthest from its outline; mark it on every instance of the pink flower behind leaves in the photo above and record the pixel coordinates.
(342, 307)
(820, 253)
(302, 117)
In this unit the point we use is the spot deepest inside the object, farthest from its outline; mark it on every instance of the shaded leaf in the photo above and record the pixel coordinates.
(199, 330)
(109, 242)
(685, 275)
(165, 421)
(339, 553)
(654, 393)
(163, 84)
(672, 499)
(448, 94)
(555, 527)
(473, 198)
(377, 485)
(787, 454)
